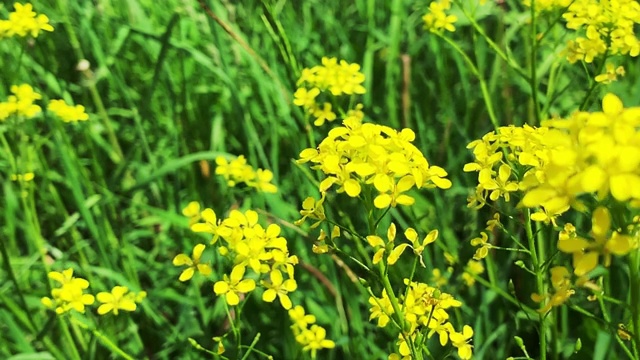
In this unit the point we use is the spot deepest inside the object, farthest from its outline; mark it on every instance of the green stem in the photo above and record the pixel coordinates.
(483, 84)
(594, 84)
(95, 94)
(104, 340)
(492, 44)
(537, 258)
(533, 80)
(634, 280)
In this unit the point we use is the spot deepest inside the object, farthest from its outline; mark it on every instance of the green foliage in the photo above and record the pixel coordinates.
(171, 85)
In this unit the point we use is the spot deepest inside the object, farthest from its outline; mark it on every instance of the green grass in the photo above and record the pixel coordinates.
(170, 88)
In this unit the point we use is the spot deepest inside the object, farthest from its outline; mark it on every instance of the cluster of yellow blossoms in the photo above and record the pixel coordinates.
(264, 251)
(22, 104)
(336, 78)
(567, 163)
(238, 171)
(358, 154)
(422, 307)
(24, 22)
(247, 244)
(311, 338)
(437, 20)
(606, 27)
(596, 152)
(67, 113)
(70, 295)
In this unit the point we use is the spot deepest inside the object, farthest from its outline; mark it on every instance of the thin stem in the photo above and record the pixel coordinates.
(537, 268)
(104, 340)
(533, 80)
(634, 280)
(483, 84)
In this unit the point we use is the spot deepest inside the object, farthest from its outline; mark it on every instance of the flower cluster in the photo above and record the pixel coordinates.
(610, 74)
(70, 295)
(312, 337)
(67, 113)
(358, 154)
(603, 241)
(247, 244)
(607, 27)
(24, 22)
(391, 253)
(238, 171)
(120, 298)
(437, 20)
(423, 308)
(21, 103)
(336, 78)
(589, 152)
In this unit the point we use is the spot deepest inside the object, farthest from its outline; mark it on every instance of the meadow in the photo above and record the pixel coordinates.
(273, 179)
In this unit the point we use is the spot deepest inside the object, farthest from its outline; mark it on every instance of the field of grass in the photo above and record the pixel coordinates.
(171, 86)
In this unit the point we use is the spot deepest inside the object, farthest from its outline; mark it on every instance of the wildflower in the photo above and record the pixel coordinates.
(481, 241)
(234, 285)
(393, 252)
(66, 112)
(301, 321)
(312, 209)
(610, 75)
(306, 98)
(323, 114)
(461, 341)
(279, 287)
(116, 300)
(193, 263)
(473, 268)
(357, 155)
(210, 225)
(586, 253)
(437, 20)
(70, 293)
(23, 22)
(26, 177)
(314, 339)
(21, 103)
(192, 211)
(417, 246)
(561, 283)
(238, 171)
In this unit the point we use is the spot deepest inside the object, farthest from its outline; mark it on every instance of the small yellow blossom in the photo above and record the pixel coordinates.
(193, 263)
(67, 113)
(118, 299)
(232, 286)
(23, 22)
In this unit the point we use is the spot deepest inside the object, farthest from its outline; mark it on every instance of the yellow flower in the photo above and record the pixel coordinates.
(26, 177)
(417, 246)
(192, 211)
(306, 98)
(193, 263)
(312, 209)
(67, 112)
(279, 287)
(234, 285)
(116, 300)
(24, 22)
(315, 339)
(461, 341)
(377, 243)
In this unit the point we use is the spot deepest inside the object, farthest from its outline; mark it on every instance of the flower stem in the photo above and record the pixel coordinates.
(537, 258)
(634, 281)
